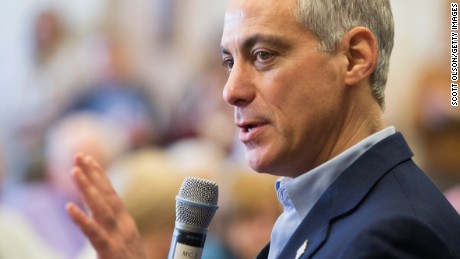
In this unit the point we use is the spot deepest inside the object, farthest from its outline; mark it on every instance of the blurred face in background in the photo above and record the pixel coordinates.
(250, 213)
(47, 31)
(246, 234)
(85, 133)
(286, 94)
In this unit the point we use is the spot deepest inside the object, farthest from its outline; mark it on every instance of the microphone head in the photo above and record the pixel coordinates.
(196, 202)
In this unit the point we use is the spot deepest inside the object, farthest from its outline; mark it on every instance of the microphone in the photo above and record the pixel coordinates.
(196, 205)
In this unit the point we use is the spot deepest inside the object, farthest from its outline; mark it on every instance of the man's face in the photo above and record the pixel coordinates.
(287, 95)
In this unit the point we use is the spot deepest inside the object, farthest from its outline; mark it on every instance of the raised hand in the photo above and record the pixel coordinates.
(108, 226)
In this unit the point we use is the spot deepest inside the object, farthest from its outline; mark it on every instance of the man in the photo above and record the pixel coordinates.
(306, 79)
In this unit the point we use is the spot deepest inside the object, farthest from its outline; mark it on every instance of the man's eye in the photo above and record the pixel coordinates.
(228, 63)
(263, 56)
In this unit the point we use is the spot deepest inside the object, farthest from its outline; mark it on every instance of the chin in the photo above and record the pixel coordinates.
(266, 165)
(256, 165)
(262, 164)
(268, 159)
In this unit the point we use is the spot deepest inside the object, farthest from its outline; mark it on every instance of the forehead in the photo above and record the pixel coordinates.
(269, 16)
(238, 9)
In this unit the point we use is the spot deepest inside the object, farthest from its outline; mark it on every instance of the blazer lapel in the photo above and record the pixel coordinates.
(345, 194)
(313, 229)
(263, 254)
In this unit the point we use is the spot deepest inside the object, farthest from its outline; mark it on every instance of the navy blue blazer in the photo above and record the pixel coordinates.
(382, 206)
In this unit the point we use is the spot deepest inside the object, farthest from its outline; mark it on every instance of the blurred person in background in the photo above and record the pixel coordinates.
(201, 112)
(41, 201)
(51, 81)
(18, 240)
(436, 121)
(197, 156)
(117, 94)
(437, 125)
(248, 214)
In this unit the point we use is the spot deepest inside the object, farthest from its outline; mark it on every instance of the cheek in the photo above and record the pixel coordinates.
(304, 99)
(293, 97)
(315, 89)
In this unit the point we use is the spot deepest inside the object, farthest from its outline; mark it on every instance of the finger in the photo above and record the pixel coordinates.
(100, 180)
(78, 159)
(94, 172)
(95, 201)
(89, 227)
(99, 177)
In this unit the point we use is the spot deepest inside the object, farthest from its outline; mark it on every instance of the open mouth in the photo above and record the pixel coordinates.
(250, 130)
(249, 127)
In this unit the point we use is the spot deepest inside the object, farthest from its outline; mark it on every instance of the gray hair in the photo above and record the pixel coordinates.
(330, 20)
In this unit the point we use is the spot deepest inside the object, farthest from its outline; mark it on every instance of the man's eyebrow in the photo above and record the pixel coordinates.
(274, 41)
(251, 41)
(224, 51)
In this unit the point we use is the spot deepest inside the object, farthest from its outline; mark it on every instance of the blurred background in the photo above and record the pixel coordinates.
(137, 84)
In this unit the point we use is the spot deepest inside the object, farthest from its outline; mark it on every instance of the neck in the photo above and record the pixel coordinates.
(363, 117)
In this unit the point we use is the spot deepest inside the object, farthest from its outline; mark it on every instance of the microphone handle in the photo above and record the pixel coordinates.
(187, 242)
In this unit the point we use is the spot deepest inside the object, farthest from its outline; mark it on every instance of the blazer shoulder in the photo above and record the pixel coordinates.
(400, 236)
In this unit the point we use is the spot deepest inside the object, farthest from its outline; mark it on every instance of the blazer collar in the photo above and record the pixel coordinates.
(345, 194)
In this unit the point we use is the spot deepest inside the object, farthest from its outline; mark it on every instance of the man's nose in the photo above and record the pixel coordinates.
(239, 90)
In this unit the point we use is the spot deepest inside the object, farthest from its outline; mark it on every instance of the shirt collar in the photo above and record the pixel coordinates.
(302, 192)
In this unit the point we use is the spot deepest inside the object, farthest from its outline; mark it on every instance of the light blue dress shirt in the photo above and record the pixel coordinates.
(299, 195)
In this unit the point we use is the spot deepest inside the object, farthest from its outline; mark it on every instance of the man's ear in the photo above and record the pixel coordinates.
(361, 50)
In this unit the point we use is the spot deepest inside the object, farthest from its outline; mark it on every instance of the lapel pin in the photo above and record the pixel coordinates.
(301, 250)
